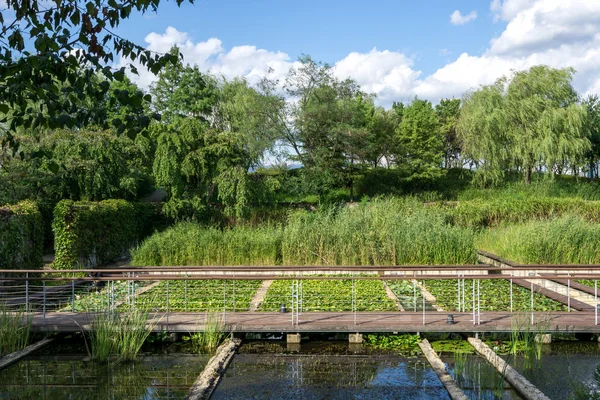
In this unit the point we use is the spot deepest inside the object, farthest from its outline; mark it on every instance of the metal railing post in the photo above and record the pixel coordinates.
(27, 292)
(73, 293)
(44, 305)
(596, 300)
(569, 294)
(531, 303)
(511, 293)
(167, 308)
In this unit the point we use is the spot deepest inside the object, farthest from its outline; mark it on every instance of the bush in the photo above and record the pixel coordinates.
(21, 236)
(87, 234)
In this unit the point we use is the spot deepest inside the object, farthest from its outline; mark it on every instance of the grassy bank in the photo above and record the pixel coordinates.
(391, 231)
(568, 239)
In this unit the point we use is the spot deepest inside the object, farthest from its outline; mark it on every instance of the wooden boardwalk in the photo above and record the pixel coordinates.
(343, 322)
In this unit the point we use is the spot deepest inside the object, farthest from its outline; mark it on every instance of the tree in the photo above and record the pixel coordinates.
(592, 129)
(420, 147)
(74, 41)
(198, 165)
(447, 111)
(530, 120)
(183, 91)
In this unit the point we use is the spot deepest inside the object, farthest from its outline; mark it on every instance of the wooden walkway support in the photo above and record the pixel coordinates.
(214, 370)
(517, 381)
(439, 368)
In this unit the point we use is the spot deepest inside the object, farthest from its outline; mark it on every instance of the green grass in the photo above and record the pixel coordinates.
(207, 341)
(329, 295)
(379, 232)
(192, 244)
(565, 240)
(15, 328)
(120, 335)
(494, 296)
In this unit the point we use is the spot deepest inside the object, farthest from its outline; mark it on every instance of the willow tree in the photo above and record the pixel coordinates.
(531, 120)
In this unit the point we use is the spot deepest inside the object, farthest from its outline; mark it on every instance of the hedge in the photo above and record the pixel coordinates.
(21, 236)
(88, 234)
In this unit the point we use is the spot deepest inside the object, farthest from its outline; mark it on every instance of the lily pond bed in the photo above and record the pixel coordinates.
(323, 366)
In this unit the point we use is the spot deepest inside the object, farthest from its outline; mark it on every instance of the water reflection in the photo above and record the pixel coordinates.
(329, 377)
(75, 377)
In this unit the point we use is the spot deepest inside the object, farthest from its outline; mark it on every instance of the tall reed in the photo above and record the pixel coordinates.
(192, 244)
(120, 335)
(15, 328)
(389, 231)
(568, 239)
(211, 337)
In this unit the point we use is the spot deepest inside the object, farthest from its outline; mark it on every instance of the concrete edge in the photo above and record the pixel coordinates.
(213, 371)
(439, 368)
(17, 355)
(517, 381)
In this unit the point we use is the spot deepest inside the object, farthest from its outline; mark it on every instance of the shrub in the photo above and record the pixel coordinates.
(21, 236)
(87, 234)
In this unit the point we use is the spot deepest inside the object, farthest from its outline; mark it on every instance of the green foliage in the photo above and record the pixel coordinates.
(494, 296)
(14, 330)
(183, 91)
(207, 341)
(191, 244)
(380, 232)
(197, 165)
(447, 112)
(531, 120)
(421, 141)
(21, 236)
(513, 209)
(74, 43)
(566, 240)
(402, 342)
(88, 234)
(199, 296)
(329, 295)
(119, 334)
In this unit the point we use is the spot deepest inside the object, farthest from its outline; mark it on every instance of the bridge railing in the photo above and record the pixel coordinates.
(235, 289)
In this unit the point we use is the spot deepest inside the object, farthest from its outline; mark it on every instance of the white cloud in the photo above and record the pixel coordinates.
(385, 73)
(551, 32)
(210, 56)
(456, 18)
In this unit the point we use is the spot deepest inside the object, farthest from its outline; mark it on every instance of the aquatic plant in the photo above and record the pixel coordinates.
(566, 240)
(210, 337)
(120, 335)
(15, 327)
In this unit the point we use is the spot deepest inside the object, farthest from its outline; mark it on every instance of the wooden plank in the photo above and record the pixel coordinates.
(392, 321)
(561, 298)
(439, 368)
(17, 355)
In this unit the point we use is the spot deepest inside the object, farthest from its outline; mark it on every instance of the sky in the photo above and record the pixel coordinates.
(400, 49)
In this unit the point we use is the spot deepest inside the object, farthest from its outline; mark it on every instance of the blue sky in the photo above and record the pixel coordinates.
(329, 30)
(397, 49)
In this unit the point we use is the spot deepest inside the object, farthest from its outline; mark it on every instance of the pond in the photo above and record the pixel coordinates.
(75, 376)
(568, 369)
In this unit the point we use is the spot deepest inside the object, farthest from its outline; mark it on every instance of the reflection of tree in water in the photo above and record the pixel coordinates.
(477, 378)
(70, 377)
(588, 391)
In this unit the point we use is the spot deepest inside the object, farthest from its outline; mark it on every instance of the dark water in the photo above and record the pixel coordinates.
(566, 370)
(167, 376)
(272, 376)
(477, 378)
